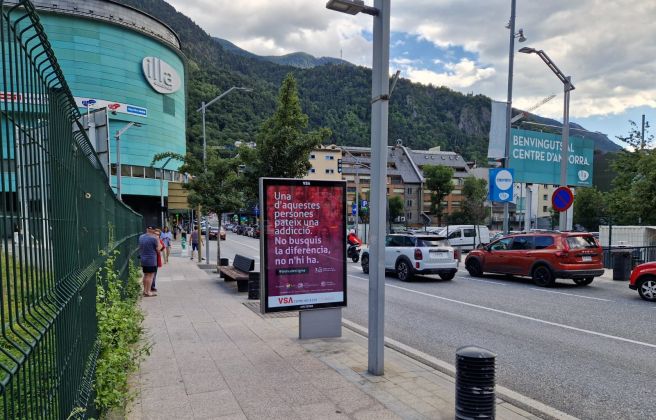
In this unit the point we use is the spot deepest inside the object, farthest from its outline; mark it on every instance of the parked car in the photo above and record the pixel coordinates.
(543, 256)
(214, 231)
(643, 279)
(465, 237)
(407, 255)
(222, 234)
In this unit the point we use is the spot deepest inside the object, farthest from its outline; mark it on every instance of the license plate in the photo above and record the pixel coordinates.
(436, 254)
(587, 258)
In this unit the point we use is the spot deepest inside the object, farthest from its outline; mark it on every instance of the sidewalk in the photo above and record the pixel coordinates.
(214, 356)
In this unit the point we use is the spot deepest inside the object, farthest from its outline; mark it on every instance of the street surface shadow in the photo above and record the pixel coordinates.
(565, 284)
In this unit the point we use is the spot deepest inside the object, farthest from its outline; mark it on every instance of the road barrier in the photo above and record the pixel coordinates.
(475, 380)
(57, 213)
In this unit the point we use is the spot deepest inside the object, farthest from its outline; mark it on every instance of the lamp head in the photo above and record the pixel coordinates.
(521, 35)
(351, 7)
(527, 50)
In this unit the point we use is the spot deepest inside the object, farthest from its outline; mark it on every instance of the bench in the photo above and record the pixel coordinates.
(238, 271)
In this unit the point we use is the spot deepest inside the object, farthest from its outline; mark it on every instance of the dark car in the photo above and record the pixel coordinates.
(543, 256)
(643, 279)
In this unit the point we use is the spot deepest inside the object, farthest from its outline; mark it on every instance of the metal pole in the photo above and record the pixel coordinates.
(118, 166)
(511, 56)
(200, 237)
(161, 197)
(379, 114)
(207, 239)
(564, 153)
(642, 135)
(202, 107)
(357, 200)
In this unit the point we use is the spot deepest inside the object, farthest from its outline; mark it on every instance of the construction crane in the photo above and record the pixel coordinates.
(533, 108)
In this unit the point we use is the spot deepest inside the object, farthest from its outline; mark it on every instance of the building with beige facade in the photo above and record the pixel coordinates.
(325, 163)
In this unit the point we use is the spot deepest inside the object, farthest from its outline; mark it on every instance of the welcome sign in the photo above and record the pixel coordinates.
(536, 157)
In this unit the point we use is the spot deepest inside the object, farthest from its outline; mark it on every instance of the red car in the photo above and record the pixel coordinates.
(543, 256)
(643, 278)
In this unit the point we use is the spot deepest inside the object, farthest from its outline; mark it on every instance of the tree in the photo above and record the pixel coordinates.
(394, 208)
(439, 182)
(636, 138)
(283, 146)
(474, 192)
(589, 207)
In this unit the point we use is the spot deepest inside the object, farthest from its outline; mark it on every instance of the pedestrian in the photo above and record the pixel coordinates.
(176, 228)
(195, 238)
(166, 238)
(149, 247)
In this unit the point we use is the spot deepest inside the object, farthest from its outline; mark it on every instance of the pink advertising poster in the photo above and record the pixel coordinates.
(304, 244)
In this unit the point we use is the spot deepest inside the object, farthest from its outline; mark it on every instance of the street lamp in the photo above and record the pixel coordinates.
(357, 165)
(119, 133)
(161, 190)
(564, 152)
(511, 56)
(202, 110)
(379, 114)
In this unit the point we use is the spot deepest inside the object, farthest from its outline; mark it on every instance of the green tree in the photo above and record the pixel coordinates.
(394, 208)
(283, 144)
(439, 182)
(589, 207)
(474, 192)
(636, 138)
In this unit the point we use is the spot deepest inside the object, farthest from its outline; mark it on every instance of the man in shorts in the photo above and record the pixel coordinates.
(195, 237)
(149, 246)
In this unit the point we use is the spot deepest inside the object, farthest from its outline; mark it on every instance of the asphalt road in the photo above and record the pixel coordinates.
(588, 351)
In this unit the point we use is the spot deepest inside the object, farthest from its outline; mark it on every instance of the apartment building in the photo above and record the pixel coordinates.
(325, 163)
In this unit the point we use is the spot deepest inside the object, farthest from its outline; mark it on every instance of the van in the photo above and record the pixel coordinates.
(466, 237)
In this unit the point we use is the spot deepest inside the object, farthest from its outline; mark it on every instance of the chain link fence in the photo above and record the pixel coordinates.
(57, 213)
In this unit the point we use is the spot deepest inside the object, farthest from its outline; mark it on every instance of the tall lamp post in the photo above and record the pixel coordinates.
(161, 191)
(379, 113)
(119, 133)
(511, 56)
(564, 152)
(202, 110)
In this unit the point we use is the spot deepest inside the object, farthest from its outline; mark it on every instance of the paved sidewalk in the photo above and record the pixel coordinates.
(213, 356)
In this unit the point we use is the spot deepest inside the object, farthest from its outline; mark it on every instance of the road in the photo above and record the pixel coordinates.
(588, 351)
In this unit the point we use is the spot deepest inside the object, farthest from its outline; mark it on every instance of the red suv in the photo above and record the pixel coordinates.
(544, 256)
(643, 278)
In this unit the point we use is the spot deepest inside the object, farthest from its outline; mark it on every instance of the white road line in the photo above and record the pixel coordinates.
(529, 318)
(570, 294)
(482, 281)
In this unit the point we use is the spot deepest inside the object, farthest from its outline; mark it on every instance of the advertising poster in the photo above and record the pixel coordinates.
(303, 245)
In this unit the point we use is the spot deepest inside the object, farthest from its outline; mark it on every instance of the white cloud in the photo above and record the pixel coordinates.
(607, 47)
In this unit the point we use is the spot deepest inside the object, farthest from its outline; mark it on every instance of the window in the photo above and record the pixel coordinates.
(544, 209)
(395, 241)
(138, 171)
(581, 242)
(545, 197)
(113, 169)
(469, 233)
(455, 234)
(168, 104)
(313, 156)
(408, 216)
(522, 242)
(312, 170)
(408, 203)
(330, 157)
(330, 171)
(542, 242)
(149, 172)
(429, 242)
(409, 190)
(501, 245)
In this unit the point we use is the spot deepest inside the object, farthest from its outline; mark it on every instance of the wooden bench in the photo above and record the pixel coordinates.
(238, 271)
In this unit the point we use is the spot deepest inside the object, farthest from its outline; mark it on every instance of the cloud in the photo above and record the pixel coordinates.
(461, 75)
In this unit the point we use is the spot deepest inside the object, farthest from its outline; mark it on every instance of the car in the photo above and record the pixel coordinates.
(543, 256)
(466, 237)
(214, 231)
(222, 234)
(643, 279)
(407, 255)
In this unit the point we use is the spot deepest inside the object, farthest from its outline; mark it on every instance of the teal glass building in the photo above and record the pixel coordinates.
(123, 61)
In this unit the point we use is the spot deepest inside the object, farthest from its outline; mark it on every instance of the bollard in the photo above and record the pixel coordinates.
(475, 369)
(223, 262)
(254, 285)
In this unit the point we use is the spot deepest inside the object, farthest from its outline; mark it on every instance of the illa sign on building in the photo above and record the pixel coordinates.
(303, 246)
(536, 156)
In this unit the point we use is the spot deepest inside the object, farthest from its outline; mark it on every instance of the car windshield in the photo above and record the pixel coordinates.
(580, 242)
(428, 241)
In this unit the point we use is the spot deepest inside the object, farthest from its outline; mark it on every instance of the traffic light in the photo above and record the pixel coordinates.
(339, 166)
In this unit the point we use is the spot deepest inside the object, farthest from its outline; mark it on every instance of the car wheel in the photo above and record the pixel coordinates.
(583, 281)
(355, 258)
(474, 268)
(365, 264)
(403, 271)
(447, 276)
(542, 276)
(647, 288)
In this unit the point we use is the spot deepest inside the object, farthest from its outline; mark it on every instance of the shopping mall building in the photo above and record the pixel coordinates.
(124, 66)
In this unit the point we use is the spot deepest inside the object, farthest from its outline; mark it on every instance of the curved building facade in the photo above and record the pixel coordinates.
(124, 66)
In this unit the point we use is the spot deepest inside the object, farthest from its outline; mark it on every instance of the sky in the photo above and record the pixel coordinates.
(607, 47)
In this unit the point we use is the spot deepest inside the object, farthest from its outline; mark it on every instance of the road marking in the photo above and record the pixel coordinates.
(570, 294)
(529, 318)
(482, 281)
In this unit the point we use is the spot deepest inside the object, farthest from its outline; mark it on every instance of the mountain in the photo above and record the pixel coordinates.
(298, 59)
(335, 96)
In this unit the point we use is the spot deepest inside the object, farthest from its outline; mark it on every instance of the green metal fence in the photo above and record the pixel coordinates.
(56, 211)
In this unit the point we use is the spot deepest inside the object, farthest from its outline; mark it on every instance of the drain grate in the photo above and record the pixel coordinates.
(255, 307)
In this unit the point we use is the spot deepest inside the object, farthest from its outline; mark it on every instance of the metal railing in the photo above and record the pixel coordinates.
(57, 212)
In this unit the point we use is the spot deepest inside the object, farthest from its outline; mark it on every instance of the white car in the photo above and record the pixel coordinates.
(408, 254)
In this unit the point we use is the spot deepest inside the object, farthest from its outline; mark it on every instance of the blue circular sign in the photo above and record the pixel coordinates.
(562, 199)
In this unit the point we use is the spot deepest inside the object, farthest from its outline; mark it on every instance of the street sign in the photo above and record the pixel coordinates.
(501, 185)
(364, 203)
(562, 199)
(354, 209)
(89, 102)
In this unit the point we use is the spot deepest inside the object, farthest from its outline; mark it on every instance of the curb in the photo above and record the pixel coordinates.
(525, 403)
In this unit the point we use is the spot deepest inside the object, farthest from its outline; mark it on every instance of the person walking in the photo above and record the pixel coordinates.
(195, 237)
(149, 246)
(166, 238)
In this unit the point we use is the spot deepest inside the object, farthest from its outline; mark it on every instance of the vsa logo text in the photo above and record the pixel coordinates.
(285, 300)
